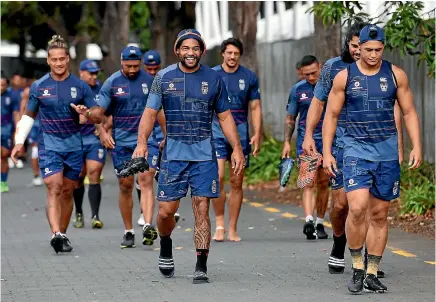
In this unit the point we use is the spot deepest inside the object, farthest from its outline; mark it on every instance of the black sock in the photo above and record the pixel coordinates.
(340, 243)
(139, 194)
(202, 260)
(78, 198)
(166, 246)
(94, 195)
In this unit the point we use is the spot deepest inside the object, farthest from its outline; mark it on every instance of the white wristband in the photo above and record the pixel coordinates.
(23, 128)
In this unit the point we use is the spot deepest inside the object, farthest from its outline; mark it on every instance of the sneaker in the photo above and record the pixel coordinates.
(166, 266)
(96, 223)
(177, 217)
(141, 220)
(133, 166)
(66, 244)
(78, 221)
(380, 274)
(371, 284)
(200, 277)
(309, 230)
(128, 240)
(4, 187)
(149, 234)
(20, 164)
(355, 285)
(11, 163)
(285, 168)
(37, 181)
(57, 242)
(320, 232)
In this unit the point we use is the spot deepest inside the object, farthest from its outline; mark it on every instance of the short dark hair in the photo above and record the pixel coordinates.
(232, 41)
(308, 60)
(57, 42)
(298, 65)
(353, 31)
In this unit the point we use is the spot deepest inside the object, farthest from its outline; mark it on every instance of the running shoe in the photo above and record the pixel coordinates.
(285, 168)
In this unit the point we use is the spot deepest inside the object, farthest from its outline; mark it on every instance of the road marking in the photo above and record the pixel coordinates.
(244, 200)
(178, 248)
(188, 230)
(272, 210)
(404, 253)
(256, 204)
(431, 262)
(288, 215)
(328, 224)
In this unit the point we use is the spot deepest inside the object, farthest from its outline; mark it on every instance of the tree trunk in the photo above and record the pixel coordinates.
(326, 40)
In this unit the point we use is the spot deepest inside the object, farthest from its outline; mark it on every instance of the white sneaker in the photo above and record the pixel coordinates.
(20, 164)
(11, 163)
(37, 181)
(141, 221)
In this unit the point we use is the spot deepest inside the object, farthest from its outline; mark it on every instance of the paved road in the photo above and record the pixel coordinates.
(274, 262)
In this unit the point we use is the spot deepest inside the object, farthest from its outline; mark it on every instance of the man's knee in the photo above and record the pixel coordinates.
(54, 188)
(357, 212)
(146, 179)
(378, 215)
(166, 210)
(126, 185)
(236, 182)
(94, 175)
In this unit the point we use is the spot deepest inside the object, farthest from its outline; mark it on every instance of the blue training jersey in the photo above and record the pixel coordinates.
(371, 132)
(322, 89)
(88, 129)
(10, 104)
(242, 87)
(299, 101)
(189, 101)
(125, 99)
(60, 128)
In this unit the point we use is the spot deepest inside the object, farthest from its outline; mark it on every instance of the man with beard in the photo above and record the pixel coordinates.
(243, 89)
(339, 208)
(54, 97)
(369, 89)
(94, 156)
(189, 94)
(124, 96)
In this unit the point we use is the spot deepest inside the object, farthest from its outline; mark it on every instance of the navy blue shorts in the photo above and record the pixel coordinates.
(381, 177)
(153, 154)
(224, 150)
(52, 162)
(338, 181)
(6, 142)
(176, 177)
(94, 152)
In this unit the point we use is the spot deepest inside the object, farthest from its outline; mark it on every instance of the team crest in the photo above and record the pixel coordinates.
(73, 92)
(45, 93)
(204, 87)
(8, 101)
(356, 85)
(144, 88)
(100, 153)
(120, 91)
(154, 160)
(383, 84)
(395, 189)
(241, 84)
(171, 86)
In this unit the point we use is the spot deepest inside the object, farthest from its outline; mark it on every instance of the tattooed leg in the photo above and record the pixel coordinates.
(200, 206)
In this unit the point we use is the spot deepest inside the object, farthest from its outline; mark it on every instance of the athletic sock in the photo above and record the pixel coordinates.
(78, 198)
(202, 260)
(339, 243)
(94, 195)
(4, 176)
(319, 220)
(356, 255)
(373, 263)
(129, 231)
(309, 218)
(166, 246)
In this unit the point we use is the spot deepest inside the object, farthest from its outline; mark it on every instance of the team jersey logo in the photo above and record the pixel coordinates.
(303, 96)
(241, 84)
(154, 160)
(45, 93)
(8, 101)
(73, 92)
(144, 88)
(171, 86)
(100, 153)
(204, 87)
(120, 91)
(395, 189)
(214, 186)
(356, 85)
(383, 84)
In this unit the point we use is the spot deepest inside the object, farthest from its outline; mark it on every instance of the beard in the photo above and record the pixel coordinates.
(189, 61)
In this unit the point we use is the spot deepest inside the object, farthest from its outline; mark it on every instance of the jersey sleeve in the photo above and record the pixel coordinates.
(154, 100)
(254, 88)
(222, 97)
(104, 98)
(33, 102)
(292, 107)
(88, 96)
(324, 84)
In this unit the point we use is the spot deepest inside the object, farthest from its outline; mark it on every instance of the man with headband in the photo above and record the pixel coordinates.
(189, 94)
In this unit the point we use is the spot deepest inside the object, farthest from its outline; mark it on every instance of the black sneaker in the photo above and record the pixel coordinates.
(57, 242)
(133, 166)
(128, 240)
(166, 266)
(66, 245)
(149, 234)
(371, 284)
(355, 285)
(309, 230)
(200, 277)
(320, 231)
(177, 217)
(380, 274)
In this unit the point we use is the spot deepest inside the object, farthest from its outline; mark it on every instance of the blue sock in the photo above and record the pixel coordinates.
(4, 176)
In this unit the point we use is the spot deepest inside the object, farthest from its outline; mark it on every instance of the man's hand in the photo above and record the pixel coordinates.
(286, 153)
(80, 109)
(309, 145)
(401, 156)
(162, 144)
(16, 151)
(238, 160)
(106, 139)
(82, 119)
(255, 141)
(140, 151)
(415, 159)
(329, 164)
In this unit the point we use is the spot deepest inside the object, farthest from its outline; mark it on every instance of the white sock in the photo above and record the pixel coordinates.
(319, 220)
(131, 231)
(145, 225)
(309, 217)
